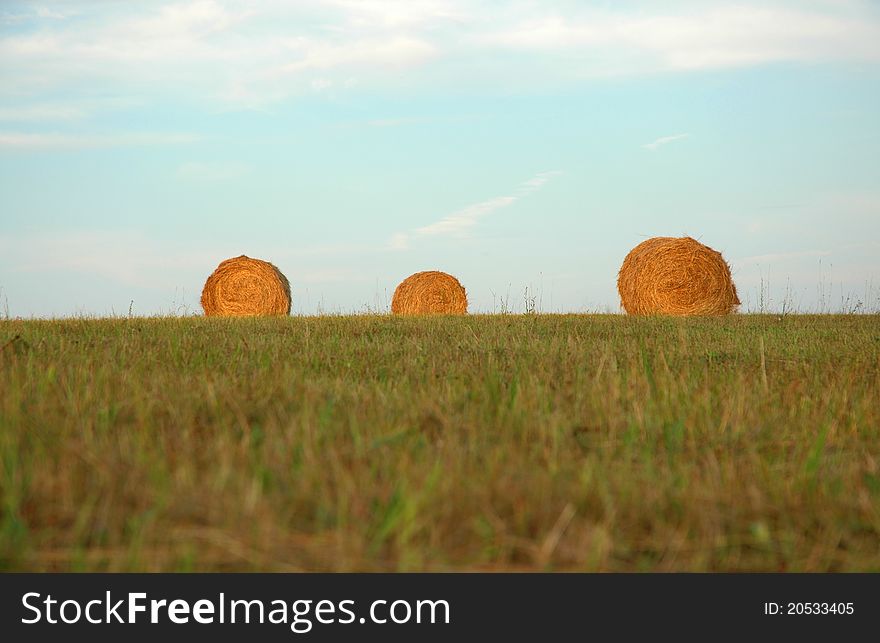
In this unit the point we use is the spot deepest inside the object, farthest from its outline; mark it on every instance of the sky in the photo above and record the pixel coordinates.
(524, 147)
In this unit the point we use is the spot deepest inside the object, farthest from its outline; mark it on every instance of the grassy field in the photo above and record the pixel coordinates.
(502, 442)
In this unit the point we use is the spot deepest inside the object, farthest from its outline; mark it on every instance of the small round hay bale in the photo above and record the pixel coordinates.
(243, 286)
(672, 276)
(427, 293)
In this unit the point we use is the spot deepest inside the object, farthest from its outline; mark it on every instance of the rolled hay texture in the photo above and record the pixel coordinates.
(242, 286)
(427, 293)
(676, 276)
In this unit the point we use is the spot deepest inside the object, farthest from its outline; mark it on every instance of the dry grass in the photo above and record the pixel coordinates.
(243, 286)
(606, 443)
(671, 276)
(431, 292)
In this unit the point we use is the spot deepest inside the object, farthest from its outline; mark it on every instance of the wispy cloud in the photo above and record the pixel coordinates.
(38, 113)
(461, 221)
(778, 257)
(212, 171)
(331, 275)
(465, 218)
(51, 14)
(40, 13)
(41, 141)
(122, 257)
(536, 182)
(664, 140)
(415, 120)
(63, 110)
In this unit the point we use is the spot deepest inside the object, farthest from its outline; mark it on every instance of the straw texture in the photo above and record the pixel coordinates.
(676, 276)
(430, 292)
(243, 286)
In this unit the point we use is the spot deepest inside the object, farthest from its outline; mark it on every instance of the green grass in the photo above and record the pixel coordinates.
(476, 443)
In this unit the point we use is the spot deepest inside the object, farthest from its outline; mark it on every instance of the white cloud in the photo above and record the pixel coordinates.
(320, 84)
(461, 221)
(241, 53)
(401, 13)
(663, 140)
(251, 54)
(38, 141)
(398, 52)
(709, 38)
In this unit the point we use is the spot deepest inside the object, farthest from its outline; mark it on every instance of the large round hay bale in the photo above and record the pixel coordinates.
(431, 292)
(243, 286)
(672, 276)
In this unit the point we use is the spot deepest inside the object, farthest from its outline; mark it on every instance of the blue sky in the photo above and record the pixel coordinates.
(514, 144)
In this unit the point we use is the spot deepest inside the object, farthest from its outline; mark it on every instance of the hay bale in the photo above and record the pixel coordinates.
(243, 286)
(671, 276)
(430, 292)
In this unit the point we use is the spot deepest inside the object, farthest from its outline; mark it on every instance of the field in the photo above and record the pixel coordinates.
(506, 442)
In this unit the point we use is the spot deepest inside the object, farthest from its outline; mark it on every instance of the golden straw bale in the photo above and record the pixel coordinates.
(672, 276)
(430, 292)
(243, 286)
